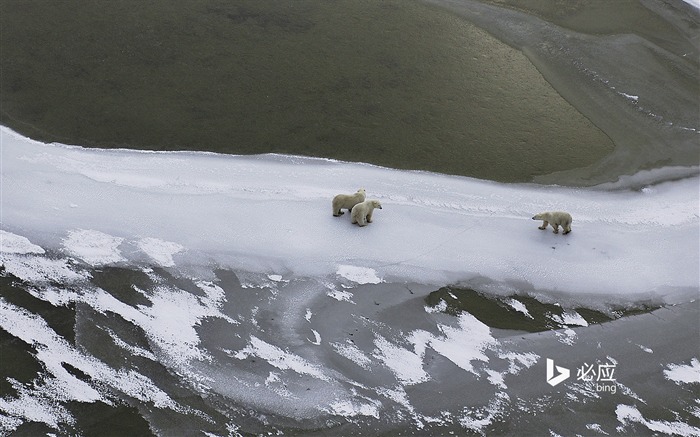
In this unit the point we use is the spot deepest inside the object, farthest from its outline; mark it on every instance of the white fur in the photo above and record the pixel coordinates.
(347, 201)
(556, 219)
(362, 212)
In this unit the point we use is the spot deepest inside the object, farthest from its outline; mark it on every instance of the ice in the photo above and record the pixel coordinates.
(460, 345)
(39, 401)
(353, 353)
(11, 243)
(40, 269)
(270, 214)
(94, 247)
(339, 295)
(630, 414)
(350, 409)
(570, 318)
(160, 251)
(360, 275)
(694, 3)
(281, 359)
(406, 364)
(519, 306)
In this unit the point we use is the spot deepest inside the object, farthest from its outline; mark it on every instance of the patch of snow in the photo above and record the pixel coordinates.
(160, 251)
(630, 414)
(519, 306)
(11, 243)
(684, 374)
(94, 247)
(361, 275)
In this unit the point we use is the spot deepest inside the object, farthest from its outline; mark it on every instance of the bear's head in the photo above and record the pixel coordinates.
(376, 204)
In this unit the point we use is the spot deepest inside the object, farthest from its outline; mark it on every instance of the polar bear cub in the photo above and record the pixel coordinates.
(347, 201)
(556, 219)
(362, 212)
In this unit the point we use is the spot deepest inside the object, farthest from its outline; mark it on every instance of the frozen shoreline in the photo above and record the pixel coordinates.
(271, 214)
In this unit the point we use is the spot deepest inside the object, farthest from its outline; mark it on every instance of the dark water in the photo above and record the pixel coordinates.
(395, 83)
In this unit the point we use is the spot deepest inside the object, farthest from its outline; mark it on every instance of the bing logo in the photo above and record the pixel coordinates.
(552, 380)
(602, 378)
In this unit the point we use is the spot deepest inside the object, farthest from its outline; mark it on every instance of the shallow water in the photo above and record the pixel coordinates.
(399, 84)
(631, 68)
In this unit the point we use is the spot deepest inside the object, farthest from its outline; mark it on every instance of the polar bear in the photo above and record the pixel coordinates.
(347, 201)
(555, 218)
(362, 212)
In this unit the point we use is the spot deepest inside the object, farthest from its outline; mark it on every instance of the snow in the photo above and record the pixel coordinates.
(684, 374)
(279, 358)
(460, 345)
(635, 99)
(39, 269)
(519, 306)
(275, 278)
(93, 247)
(269, 214)
(352, 353)
(566, 336)
(349, 409)
(407, 365)
(596, 427)
(160, 251)
(441, 307)
(11, 243)
(39, 400)
(340, 295)
(317, 338)
(694, 3)
(66, 209)
(630, 414)
(570, 318)
(360, 275)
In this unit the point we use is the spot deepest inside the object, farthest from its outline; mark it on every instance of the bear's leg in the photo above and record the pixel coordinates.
(556, 227)
(567, 229)
(544, 225)
(369, 217)
(338, 213)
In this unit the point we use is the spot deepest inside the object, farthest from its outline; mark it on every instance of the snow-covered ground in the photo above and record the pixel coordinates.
(272, 214)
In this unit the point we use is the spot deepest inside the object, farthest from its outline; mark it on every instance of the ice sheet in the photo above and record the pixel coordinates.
(695, 3)
(271, 214)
